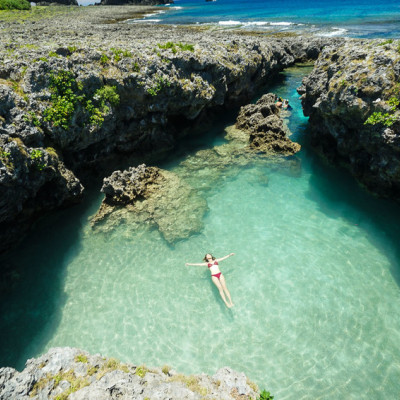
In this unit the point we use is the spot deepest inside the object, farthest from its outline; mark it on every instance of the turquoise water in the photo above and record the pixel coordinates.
(315, 282)
(354, 18)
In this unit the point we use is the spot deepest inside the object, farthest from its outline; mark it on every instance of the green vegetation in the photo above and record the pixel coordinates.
(264, 395)
(81, 358)
(161, 83)
(386, 119)
(5, 158)
(53, 54)
(76, 383)
(14, 5)
(165, 369)
(380, 118)
(111, 365)
(191, 383)
(175, 46)
(64, 99)
(72, 49)
(389, 41)
(141, 371)
(97, 107)
(37, 158)
(67, 96)
(32, 118)
(104, 59)
(136, 67)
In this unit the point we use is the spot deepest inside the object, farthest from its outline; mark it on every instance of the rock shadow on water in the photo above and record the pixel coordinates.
(358, 207)
(30, 310)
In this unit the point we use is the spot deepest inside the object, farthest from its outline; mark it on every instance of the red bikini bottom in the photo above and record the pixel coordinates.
(217, 275)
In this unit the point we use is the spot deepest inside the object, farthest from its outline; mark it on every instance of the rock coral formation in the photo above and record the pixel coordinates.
(144, 195)
(267, 133)
(75, 374)
(125, 91)
(352, 98)
(150, 195)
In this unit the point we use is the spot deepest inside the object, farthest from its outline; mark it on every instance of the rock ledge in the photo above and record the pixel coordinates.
(75, 374)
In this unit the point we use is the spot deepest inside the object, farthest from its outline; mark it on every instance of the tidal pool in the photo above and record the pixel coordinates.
(315, 281)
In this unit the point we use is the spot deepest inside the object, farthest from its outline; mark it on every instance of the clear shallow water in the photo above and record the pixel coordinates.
(315, 280)
(356, 18)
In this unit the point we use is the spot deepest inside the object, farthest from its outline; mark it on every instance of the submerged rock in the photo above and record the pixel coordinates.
(154, 196)
(75, 374)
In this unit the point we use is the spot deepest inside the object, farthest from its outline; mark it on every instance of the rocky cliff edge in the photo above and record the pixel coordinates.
(71, 373)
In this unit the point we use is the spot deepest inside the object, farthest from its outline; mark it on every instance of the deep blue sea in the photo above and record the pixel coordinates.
(352, 18)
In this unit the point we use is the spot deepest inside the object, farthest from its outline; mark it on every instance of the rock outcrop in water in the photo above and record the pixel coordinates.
(150, 195)
(352, 98)
(74, 374)
(267, 133)
(125, 92)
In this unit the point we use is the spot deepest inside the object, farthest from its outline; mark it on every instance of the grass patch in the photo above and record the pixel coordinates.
(175, 46)
(191, 382)
(14, 5)
(111, 364)
(80, 357)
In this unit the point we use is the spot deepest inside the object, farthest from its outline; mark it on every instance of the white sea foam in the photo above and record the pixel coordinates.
(336, 32)
(281, 23)
(229, 23)
(145, 21)
(256, 23)
(176, 8)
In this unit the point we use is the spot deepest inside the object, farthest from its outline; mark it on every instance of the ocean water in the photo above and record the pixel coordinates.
(354, 18)
(315, 280)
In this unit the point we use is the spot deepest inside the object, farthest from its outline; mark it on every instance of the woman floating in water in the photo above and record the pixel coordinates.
(216, 275)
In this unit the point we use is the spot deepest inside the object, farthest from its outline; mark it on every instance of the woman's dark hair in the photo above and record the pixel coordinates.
(205, 257)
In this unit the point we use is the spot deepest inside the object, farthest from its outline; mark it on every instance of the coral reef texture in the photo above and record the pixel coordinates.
(352, 98)
(71, 373)
(79, 92)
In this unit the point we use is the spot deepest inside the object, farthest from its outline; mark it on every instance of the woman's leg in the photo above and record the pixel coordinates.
(225, 289)
(221, 290)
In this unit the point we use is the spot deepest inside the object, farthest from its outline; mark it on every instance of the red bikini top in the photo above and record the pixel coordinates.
(210, 265)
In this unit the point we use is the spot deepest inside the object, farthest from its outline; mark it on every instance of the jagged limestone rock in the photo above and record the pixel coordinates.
(352, 97)
(265, 127)
(164, 92)
(68, 372)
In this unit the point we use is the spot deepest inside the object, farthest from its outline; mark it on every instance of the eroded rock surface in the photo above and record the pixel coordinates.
(144, 195)
(135, 89)
(352, 98)
(264, 125)
(73, 373)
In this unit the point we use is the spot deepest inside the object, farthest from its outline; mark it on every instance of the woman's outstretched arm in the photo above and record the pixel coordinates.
(200, 265)
(224, 258)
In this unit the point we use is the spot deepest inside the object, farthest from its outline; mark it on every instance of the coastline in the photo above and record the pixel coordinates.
(246, 60)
